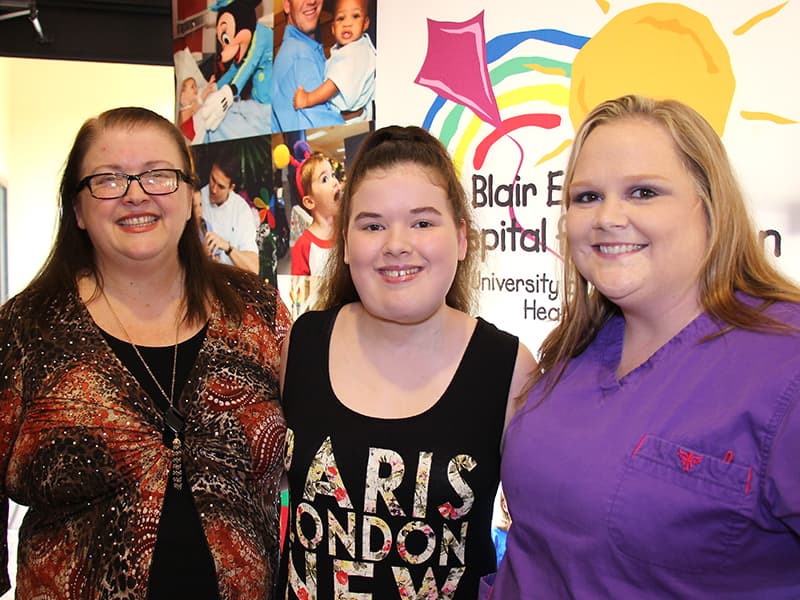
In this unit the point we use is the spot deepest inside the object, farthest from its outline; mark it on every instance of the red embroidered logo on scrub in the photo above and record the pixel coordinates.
(689, 459)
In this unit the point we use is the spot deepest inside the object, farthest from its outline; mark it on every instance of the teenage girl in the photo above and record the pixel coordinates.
(396, 397)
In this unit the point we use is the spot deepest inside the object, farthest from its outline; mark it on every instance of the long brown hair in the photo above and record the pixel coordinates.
(72, 255)
(734, 260)
(384, 149)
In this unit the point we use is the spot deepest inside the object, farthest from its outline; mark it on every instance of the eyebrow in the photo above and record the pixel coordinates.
(414, 211)
(362, 6)
(425, 209)
(148, 166)
(366, 215)
(640, 177)
(218, 182)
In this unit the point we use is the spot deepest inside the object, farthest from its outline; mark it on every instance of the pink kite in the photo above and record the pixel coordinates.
(455, 66)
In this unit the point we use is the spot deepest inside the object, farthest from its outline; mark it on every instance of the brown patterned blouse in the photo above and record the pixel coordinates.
(81, 446)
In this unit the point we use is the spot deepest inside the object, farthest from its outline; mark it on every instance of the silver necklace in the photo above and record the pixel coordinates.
(172, 417)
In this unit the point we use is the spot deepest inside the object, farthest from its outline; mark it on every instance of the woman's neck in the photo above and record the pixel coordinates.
(646, 332)
(143, 284)
(403, 369)
(149, 306)
(424, 334)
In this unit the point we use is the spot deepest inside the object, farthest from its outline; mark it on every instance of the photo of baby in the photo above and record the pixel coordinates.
(350, 71)
(324, 70)
(223, 69)
(190, 120)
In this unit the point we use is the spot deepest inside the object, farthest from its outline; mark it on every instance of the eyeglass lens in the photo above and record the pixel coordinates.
(115, 185)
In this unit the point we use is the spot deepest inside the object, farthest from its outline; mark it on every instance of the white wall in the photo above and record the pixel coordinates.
(42, 105)
(5, 99)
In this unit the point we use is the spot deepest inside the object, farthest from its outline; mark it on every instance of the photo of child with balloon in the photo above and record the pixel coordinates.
(310, 174)
(312, 218)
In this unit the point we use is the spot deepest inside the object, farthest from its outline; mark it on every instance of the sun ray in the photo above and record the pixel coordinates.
(765, 116)
(547, 70)
(517, 66)
(757, 19)
(563, 146)
(553, 93)
(604, 5)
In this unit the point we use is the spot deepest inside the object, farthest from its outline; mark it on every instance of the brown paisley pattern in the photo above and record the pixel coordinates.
(80, 445)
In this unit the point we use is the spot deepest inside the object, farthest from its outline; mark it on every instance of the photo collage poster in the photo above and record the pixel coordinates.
(259, 92)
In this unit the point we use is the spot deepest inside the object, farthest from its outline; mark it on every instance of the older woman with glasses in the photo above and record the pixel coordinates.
(139, 415)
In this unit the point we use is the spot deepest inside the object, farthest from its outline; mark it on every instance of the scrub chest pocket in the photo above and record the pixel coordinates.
(666, 490)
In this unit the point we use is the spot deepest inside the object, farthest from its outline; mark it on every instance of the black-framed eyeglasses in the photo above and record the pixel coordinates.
(158, 182)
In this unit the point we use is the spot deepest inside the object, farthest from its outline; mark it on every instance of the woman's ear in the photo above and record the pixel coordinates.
(189, 207)
(462, 240)
(76, 208)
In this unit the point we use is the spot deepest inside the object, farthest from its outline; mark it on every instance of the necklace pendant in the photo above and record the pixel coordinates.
(175, 423)
(177, 465)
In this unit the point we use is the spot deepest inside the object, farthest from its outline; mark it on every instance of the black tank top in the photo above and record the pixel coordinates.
(392, 507)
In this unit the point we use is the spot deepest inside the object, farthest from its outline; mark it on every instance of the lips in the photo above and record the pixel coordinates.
(399, 273)
(137, 221)
(613, 249)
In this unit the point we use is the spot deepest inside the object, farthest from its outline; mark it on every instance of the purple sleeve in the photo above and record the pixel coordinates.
(485, 589)
(783, 474)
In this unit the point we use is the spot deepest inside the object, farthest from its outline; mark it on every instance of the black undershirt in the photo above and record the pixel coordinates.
(182, 565)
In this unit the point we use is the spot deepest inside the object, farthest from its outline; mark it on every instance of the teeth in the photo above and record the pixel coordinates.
(399, 272)
(619, 248)
(137, 221)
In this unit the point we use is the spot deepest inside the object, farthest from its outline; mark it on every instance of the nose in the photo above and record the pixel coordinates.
(611, 213)
(135, 193)
(397, 241)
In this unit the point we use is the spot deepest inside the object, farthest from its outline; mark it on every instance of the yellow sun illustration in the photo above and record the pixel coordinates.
(661, 50)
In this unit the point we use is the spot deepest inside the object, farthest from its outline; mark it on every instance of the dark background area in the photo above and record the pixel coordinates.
(95, 30)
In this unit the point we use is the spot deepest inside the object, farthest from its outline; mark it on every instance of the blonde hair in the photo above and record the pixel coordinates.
(384, 149)
(734, 260)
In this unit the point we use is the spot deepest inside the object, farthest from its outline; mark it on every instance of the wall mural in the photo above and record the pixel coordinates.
(508, 98)
(504, 89)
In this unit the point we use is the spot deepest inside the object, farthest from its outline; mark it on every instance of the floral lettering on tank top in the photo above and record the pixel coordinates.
(366, 538)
